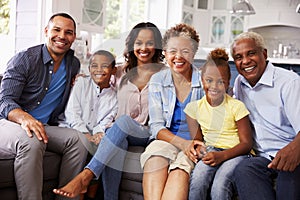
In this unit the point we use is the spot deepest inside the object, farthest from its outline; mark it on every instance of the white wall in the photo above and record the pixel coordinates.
(32, 16)
(275, 12)
(8, 41)
(27, 27)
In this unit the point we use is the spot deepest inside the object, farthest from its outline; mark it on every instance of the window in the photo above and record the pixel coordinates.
(187, 18)
(202, 4)
(189, 3)
(237, 26)
(93, 14)
(218, 29)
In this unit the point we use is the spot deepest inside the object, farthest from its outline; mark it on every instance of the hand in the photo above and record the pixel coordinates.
(73, 80)
(286, 159)
(29, 124)
(88, 136)
(213, 158)
(194, 150)
(33, 126)
(96, 139)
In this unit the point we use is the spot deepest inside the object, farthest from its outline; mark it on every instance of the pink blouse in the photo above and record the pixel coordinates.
(133, 102)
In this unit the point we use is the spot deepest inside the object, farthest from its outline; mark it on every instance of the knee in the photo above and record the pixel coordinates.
(197, 179)
(219, 183)
(31, 146)
(197, 174)
(240, 168)
(81, 148)
(73, 141)
(155, 163)
(123, 120)
(222, 187)
(241, 172)
(124, 145)
(73, 137)
(201, 176)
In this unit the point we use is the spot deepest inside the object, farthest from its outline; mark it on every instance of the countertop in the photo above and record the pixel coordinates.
(294, 61)
(204, 51)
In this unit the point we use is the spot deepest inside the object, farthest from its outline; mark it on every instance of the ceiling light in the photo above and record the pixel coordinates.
(243, 7)
(298, 8)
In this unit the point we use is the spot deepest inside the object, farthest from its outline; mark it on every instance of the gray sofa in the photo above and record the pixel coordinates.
(131, 184)
(7, 183)
(130, 188)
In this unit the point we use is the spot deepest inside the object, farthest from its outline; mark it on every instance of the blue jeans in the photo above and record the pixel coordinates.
(213, 182)
(254, 180)
(110, 155)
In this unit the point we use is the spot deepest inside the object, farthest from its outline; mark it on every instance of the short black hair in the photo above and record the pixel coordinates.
(65, 15)
(109, 55)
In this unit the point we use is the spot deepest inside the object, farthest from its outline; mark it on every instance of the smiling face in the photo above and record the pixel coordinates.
(215, 83)
(60, 34)
(144, 46)
(101, 70)
(250, 60)
(179, 54)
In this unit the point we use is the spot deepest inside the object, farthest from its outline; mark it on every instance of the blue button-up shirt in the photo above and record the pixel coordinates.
(27, 78)
(274, 108)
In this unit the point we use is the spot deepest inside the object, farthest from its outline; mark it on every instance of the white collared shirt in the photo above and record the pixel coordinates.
(274, 108)
(90, 110)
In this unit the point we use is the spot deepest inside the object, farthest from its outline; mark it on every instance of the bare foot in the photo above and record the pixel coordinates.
(76, 186)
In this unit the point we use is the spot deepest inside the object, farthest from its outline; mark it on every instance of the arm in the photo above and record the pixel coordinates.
(28, 123)
(178, 142)
(12, 88)
(108, 114)
(99, 130)
(74, 109)
(195, 152)
(194, 128)
(245, 145)
(288, 158)
(159, 112)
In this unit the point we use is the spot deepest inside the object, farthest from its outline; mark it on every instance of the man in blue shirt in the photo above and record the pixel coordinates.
(271, 94)
(34, 91)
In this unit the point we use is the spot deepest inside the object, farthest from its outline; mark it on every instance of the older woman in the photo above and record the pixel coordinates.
(166, 161)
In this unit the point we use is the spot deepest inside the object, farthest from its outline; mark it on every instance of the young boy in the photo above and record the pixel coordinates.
(93, 102)
(92, 106)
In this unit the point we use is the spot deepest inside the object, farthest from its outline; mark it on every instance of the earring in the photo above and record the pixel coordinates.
(165, 61)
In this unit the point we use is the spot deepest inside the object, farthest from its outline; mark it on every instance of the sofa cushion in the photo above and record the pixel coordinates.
(9, 193)
(7, 173)
(127, 195)
(51, 167)
(132, 173)
(132, 167)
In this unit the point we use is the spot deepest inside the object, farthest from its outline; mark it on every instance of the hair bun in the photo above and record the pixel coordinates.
(218, 53)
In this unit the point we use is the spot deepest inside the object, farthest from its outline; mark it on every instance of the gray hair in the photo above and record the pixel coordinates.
(258, 39)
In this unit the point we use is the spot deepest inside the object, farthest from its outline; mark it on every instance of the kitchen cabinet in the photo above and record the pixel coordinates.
(93, 15)
(215, 24)
(275, 12)
(212, 19)
(89, 14)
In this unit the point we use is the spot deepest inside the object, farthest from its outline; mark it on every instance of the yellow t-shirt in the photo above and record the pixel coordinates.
(218, 124)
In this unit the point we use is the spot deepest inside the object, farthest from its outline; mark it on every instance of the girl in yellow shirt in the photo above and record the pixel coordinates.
(222, 126)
